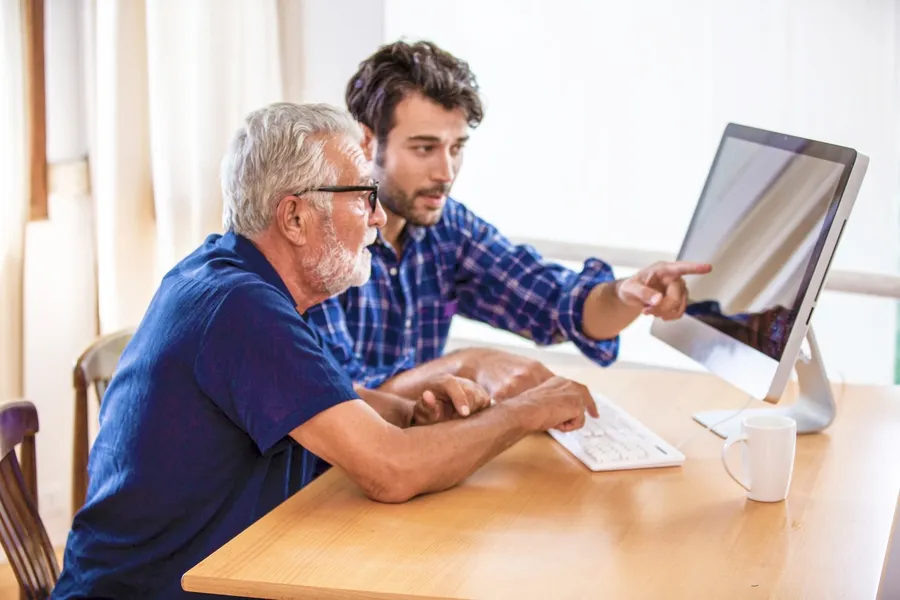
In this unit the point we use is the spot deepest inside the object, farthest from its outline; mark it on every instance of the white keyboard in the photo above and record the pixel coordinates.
(617, 441)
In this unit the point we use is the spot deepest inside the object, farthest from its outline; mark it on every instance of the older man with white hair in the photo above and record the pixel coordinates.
(226, 398)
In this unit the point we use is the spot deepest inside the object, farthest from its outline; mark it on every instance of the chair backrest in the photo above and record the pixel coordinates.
(22, 532)
(95, 367)
(97, 363)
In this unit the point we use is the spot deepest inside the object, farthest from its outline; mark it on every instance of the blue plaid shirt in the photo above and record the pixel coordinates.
(462, 265)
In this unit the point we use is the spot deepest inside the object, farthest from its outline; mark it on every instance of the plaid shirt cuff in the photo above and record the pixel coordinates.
(571, 314)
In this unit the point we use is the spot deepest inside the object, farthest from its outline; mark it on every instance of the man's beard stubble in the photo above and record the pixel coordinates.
(402, 204)
(337, 268)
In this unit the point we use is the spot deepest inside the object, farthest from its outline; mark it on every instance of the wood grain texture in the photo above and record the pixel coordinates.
(534, 523)
(33, 29)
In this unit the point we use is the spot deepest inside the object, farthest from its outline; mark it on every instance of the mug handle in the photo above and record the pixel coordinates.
(732, 440)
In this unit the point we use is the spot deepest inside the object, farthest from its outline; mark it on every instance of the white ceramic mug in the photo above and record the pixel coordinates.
(769, 446)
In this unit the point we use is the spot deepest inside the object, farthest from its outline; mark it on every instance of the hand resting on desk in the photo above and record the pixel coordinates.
(503, 374)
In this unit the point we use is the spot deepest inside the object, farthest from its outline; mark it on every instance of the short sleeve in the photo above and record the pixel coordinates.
(264, 367)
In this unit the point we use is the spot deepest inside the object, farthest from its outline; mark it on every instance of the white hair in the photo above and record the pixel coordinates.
(279, 151)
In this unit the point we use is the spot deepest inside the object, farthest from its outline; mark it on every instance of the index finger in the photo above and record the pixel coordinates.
(458, 397)
(590, 405)
(683, 267)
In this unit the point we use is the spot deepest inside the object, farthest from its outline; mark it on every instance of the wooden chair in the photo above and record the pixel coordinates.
(22, 532)
(95, 367)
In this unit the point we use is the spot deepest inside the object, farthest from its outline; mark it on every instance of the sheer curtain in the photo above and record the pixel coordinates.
(147, 92)
(209, 63)
(14, 197)
(168, 83)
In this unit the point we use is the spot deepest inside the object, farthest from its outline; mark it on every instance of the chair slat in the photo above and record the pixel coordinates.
(22, 533)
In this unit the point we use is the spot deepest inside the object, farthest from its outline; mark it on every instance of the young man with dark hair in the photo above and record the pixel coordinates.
(435, 258)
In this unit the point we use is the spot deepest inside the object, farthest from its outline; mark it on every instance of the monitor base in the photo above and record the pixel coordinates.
(814, 410)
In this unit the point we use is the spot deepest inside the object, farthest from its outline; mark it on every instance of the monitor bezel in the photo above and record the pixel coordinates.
(747, 368)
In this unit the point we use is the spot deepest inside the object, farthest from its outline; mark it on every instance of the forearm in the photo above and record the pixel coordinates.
(394, 465)
(605, 315)
(438, 457)
(394, 409)
(412, 383)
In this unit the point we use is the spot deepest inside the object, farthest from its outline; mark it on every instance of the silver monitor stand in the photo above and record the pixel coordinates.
(814, 409)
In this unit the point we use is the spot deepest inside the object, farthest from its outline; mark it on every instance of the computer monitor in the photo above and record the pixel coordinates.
(769, 220)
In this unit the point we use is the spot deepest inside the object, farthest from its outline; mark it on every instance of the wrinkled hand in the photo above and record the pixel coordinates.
(558, 403)
(660, 289)
(505, 375)
(449, 397)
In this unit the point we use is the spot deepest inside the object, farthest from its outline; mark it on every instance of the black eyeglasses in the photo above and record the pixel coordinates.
(372, 189)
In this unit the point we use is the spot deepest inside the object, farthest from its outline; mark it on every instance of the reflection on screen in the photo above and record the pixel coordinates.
(758, 224)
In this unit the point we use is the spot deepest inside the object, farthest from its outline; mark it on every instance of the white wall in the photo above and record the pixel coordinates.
(330, 38)
(611, 113)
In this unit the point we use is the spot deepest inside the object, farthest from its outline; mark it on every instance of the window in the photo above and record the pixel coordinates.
(602, 119)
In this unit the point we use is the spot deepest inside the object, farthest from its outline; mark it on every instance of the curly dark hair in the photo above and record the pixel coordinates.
(397, 69)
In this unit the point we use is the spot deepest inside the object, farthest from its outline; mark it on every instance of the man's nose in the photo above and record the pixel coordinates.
(443, 171)
(378, 217)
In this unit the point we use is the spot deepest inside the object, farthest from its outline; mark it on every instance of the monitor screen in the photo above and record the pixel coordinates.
(761, 223)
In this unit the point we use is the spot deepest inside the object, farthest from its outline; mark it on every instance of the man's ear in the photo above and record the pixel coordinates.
(369, 143)
(292, 218)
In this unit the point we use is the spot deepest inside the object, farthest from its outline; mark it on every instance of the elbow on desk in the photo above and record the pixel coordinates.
(389, 495)
(388, 483)
(394, 469)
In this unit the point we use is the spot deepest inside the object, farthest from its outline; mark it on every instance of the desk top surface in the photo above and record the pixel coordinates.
(535, 523)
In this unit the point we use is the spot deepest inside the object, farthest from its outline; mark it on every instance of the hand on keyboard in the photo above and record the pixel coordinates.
(558, 403)
(617, 441)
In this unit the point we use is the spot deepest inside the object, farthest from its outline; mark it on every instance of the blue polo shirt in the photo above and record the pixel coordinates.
(193, 444)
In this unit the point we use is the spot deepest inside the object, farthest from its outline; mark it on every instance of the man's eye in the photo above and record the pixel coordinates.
(424, 149)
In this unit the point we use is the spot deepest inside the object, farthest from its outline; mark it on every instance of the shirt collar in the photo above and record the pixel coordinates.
(254, 260)
(415, 233)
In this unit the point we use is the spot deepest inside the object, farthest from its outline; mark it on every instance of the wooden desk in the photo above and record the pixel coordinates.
(534, 523)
